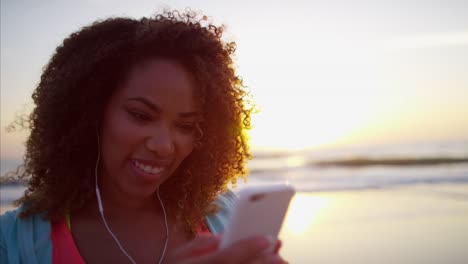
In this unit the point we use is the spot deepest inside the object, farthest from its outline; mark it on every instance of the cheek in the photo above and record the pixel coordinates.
(117, 137)
(186, 146)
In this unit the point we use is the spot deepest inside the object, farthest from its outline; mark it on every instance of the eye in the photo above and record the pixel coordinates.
(140, 116)
(187, 128)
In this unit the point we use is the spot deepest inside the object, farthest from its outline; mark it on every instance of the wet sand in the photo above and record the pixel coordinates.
(420, 224)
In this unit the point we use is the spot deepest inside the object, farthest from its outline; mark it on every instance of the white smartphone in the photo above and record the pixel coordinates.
(258, 211)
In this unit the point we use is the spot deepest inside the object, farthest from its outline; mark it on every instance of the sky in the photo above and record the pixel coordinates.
(322, 73)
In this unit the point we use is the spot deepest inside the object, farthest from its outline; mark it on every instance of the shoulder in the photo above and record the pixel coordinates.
(8, 221)
(8, 237)
(225, 202)
(11, 220)
(24, 239)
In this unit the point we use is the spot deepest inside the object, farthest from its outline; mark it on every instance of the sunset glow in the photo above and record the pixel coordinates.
(354, 76)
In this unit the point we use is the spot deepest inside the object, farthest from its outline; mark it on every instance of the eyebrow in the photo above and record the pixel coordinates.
(156, 108)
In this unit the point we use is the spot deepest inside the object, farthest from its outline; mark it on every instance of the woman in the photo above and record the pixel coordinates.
(138, 129)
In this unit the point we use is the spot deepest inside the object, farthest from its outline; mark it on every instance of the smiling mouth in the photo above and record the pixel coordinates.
(147, 168)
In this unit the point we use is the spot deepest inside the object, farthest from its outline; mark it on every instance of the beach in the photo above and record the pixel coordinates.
(424, 223)
(411, 224)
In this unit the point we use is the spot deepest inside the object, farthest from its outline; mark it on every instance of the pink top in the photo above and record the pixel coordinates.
(64, 249)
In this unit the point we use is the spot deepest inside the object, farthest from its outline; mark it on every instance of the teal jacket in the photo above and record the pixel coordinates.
(27, 240)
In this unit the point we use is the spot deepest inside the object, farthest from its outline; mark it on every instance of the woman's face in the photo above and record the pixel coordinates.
(149, 128)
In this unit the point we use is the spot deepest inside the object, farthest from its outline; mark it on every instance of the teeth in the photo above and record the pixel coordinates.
(156, 170)
(147, 168)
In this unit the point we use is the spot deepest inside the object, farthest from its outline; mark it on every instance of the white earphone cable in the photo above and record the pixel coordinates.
(167, 228)
(101, 211)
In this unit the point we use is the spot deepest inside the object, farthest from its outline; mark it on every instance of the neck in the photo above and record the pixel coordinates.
(118, 201)
(137, 204)
(114, 197)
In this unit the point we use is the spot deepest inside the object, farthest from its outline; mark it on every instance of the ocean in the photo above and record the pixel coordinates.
(341, 168)
(364, 167)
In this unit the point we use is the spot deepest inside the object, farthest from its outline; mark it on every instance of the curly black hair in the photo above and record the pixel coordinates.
(80, 78)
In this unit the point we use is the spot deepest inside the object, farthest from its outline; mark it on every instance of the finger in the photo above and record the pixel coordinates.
(267, 258)
(277, 259)
(278, 246)
(199, 246)
(205, 249)
(251, 247)
(242, 252)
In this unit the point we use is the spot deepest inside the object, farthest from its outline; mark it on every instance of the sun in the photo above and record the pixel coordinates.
(303, 122)
(318, 92)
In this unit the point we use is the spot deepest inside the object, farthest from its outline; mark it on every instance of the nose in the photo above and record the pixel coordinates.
(161, 142)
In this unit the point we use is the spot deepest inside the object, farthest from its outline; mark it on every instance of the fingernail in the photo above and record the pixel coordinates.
(264, 242)
(271, 240)
(276, 260)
